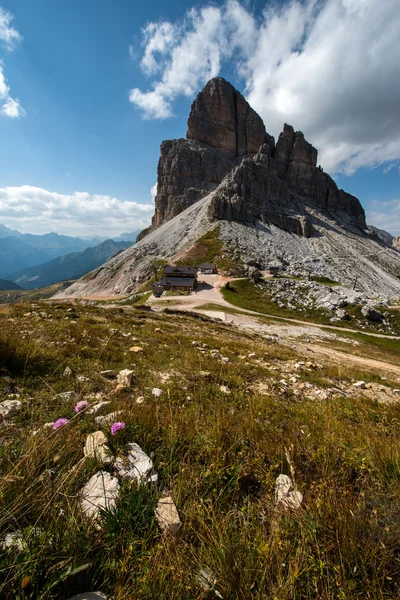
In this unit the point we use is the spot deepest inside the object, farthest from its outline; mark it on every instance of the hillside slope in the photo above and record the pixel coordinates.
(5, 285)
(329, 252)
(70, 266)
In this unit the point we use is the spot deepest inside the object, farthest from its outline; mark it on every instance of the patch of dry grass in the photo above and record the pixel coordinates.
(218, 454)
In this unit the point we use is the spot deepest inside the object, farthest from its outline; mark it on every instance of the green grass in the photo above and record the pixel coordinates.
(217, 454)
(14, 296)
(208, 249)
(324, 280)
(244, 294)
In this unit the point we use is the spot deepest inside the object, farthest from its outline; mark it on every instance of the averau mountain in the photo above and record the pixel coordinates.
(267, 201)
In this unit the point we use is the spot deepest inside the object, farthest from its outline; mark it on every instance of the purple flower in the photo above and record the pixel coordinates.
(60, 423)
(117, 426)
(81, 406)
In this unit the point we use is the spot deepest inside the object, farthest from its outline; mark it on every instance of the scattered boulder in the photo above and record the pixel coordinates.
(13, 541)
(10, 408)
(207, 582)
(136, 349)
(371, 313)
(125, 378)
(68, 372)
(360, 385)
(108, 374)
(224, 389)
(167, 515)
(93, 410)
(68, 396)
(285, 494)
(97, 447)
(90, 596)
(100, 492)
(157, 392)
(342, 314)
(136, 465)
(107, 419)
(254, 274)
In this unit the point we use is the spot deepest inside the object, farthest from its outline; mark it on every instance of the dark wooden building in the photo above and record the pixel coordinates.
(208, 268)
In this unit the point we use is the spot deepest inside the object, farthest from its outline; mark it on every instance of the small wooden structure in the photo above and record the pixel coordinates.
(180, 272)
(208, 268)
(178, 283)
(176, 278)
(274, 270)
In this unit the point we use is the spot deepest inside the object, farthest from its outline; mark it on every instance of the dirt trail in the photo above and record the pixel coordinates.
(344, 358)
(285, 329)
(209, 292)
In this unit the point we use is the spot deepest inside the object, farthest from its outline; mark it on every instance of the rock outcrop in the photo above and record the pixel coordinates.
(220, 117)
(227, 145)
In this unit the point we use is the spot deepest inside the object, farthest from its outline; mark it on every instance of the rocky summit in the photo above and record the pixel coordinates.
(265, 201)
(272, 182)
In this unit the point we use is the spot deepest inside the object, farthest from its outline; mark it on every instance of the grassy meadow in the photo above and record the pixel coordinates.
(219, 436)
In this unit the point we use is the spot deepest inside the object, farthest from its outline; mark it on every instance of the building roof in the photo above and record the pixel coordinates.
(178, 281)
(180, 271)
(207, 266)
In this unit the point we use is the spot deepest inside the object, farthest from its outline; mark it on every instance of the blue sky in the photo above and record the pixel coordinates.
(80, 157)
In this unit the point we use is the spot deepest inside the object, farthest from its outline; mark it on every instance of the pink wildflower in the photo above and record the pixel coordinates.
(60, 423)
(117, 426)
(81, 406)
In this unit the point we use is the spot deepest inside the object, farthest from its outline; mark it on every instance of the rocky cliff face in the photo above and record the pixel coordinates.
(227, 147)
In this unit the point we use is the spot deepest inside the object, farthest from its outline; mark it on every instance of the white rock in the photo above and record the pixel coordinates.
(96, 407)
(107, 419)
(100, 492)
(136, 465)
(108, 374)
(167, 515)
(157, 392)
(208, 581)
(89, 596)
(285, 494)
(224, 389)
(360, 385)
(140, 400)
(10, 408)
(68, 396)
(13, 541)
(125, 377)
(68, 372)
(96, 446)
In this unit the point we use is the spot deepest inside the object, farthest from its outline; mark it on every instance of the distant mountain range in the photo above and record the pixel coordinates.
(5, 284)
(70, 266)
(23, 250)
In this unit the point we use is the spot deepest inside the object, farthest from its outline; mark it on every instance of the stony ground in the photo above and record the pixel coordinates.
(197, 460)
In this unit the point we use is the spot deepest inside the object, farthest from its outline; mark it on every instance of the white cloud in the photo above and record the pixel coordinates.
(189, 54)
(385, 215)
(329, 67)
(9, 107)
(8, 35)
(12, 108)
(159, 38)
(36, 210)
(153, 192)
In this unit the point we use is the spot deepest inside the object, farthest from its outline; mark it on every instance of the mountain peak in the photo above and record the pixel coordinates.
(222, 118)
